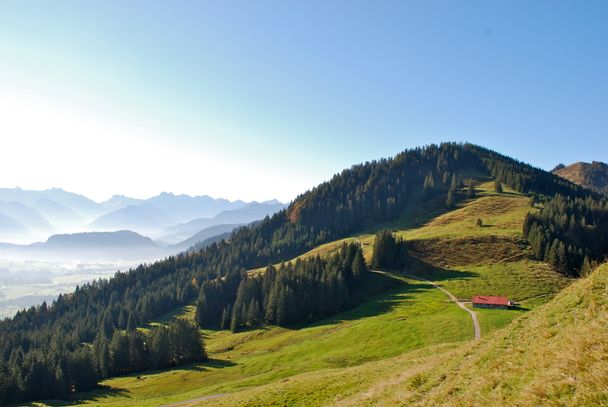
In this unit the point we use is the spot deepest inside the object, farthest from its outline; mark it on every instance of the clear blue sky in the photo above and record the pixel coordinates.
(264, 99)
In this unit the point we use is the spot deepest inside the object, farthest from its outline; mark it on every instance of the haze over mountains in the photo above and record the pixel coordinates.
(52, 240)
(33, 216)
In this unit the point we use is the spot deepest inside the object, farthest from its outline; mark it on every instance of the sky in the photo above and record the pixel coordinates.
(258, 100)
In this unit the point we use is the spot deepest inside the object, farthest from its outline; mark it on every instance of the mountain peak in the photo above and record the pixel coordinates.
(592, 175)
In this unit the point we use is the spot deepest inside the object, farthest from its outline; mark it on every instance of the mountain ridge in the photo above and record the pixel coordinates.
(592, 175)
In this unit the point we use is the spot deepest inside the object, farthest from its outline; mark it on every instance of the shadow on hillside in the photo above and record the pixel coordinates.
(418, 212)
(387, 292)
(382, 295)
(417, 267)
(199, 367)
(106, 392)
(102, 392)
(216, 363)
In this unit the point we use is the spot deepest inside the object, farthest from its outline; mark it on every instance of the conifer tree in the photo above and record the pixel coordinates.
(131, 325)
(471, 190)
(450, 201)
(429, 185)
(586, 268)
(454, 182)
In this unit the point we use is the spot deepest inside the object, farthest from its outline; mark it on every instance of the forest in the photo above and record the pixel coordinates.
(571, 234)
(51, 338)
(56, 372)
(295, 292)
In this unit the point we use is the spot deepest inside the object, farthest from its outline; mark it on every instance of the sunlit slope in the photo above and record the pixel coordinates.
(412, 315)
(554, 355)
(467, 259)
(412, 324)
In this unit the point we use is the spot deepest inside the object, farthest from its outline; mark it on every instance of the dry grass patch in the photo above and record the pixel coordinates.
(471, 250)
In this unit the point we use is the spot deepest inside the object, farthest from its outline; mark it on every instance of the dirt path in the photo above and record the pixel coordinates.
(192, 401)
(452, 297)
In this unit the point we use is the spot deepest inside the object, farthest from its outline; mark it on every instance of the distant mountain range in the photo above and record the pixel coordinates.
(247, 214)
(119, 228)
(203, 236)
(79, 204)
(27, 215)
(152, 215)
(122, 244)
(592, 175)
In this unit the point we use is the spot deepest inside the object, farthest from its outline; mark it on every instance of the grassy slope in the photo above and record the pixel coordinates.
(554, 355)
(557, 355)
(413, 317)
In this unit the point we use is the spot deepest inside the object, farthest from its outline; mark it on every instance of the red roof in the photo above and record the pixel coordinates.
(487, 299)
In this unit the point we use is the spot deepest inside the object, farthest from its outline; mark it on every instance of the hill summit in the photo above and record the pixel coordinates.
(592, 175)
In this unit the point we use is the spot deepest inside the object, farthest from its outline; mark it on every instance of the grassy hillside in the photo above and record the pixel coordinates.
(554, 355)
(410, 328)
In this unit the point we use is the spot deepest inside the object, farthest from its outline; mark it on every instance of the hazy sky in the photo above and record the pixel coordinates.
(265, 99)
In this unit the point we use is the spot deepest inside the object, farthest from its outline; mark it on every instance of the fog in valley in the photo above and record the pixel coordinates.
(52, 241)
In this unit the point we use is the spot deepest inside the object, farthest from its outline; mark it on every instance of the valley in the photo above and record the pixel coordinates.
(52, 241)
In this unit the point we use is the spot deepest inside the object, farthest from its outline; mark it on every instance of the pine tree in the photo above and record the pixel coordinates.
(454, 182)
(389, 253)
(471, 190)
(561, 263)
(119, 352)
(60, 388)
(498, 187)
(446, 178)
(160, 347)
(429, 185)
(235, 320)
(586, 268)
(359, 267)
(225, 324)
(131, 324)
(450, 202)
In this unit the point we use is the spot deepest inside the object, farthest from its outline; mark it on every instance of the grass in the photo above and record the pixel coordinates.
(411, 316)
(554, 355)
(353, 358)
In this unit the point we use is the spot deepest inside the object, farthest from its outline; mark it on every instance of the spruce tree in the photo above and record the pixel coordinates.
(454, 183)
(131, 324)
(450, 202)
(359, 267)
(429, 185)
(586, 268)
(471, 190)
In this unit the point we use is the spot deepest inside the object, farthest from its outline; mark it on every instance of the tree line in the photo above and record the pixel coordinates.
(297, 291)
(389, 253)
(55, 372)
(569, 233)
